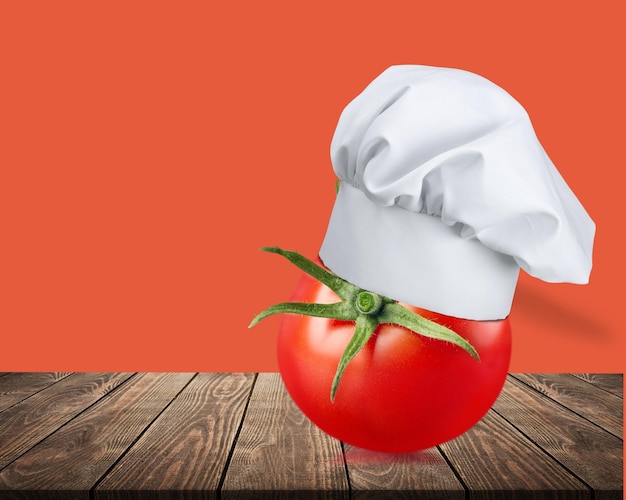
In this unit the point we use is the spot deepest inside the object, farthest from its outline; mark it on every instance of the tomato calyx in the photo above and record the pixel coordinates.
(368, 303)
(367, 309)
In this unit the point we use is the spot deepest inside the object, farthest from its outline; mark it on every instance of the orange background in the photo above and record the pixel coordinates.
(148, 149)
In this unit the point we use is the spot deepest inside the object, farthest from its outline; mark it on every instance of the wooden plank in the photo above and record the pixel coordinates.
(76, 456)
(611, 382)
(495, 461)
(28, 422)
(187, 447)
(596, 405)
(16, 387)
(43, 495)
(280, 453)
(383, 475)
(589, 452)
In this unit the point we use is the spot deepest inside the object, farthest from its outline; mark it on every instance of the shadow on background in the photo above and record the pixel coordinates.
(557, 316)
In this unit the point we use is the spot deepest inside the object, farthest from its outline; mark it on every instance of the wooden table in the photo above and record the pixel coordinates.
(238, 435)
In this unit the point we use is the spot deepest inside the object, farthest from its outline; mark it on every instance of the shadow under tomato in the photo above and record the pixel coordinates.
(359, 456)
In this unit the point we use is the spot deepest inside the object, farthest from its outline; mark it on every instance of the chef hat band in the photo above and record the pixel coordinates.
(417, 259)
(446, 192)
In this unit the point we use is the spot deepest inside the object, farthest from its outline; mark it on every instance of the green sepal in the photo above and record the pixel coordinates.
(341, 287)
(338, 310)
(399, 315)
(365, 327)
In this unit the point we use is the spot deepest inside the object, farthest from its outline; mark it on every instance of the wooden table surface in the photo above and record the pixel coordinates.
(238, 435)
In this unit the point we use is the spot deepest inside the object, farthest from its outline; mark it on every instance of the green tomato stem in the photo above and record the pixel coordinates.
(367, 309)
(368, 303)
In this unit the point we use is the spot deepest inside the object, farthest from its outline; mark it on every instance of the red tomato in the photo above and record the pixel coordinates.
(402, 392)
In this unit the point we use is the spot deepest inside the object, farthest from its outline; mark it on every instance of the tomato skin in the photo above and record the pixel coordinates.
(402, 392)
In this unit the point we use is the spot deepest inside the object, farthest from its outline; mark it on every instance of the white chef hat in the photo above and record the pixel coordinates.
(446, 192)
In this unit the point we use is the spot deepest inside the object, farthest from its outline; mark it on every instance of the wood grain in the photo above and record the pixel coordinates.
(280, 453)
(28, 422)
(103, 436)
(595, 404)
(187, 447)
(591, 453)
(77, 455)
(43, 494)
(496, 462)
(611, 382)
(382, 475)
(16, 387)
